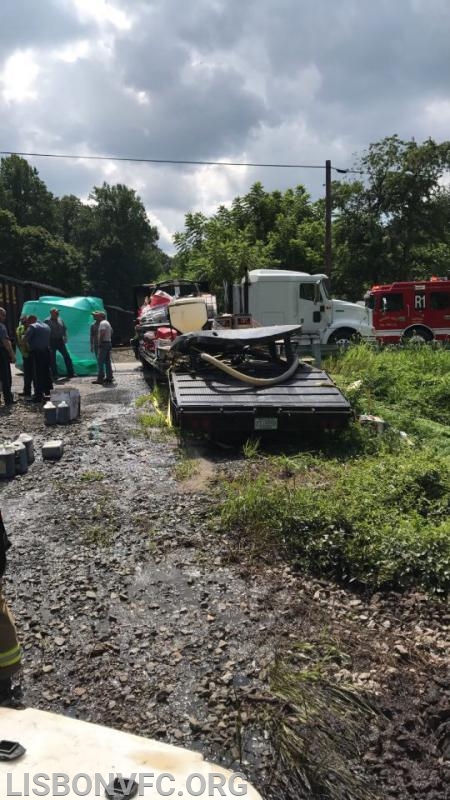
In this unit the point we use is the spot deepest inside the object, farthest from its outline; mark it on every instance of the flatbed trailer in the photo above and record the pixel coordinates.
(213, 402)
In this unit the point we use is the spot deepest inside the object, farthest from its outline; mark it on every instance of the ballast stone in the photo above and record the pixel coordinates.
(52, 450)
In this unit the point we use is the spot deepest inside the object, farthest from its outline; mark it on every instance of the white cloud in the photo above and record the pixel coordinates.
(19, 77)
(103, 13)
(73, 52)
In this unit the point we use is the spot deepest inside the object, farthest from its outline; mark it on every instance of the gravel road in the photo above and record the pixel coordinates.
(134, 612)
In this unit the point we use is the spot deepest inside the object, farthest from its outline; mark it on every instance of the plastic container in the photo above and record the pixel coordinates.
(70, 396)
(29, 445)
(50, 413)
(7, 461)
(188, 314)
(21, 460)
(63, 413)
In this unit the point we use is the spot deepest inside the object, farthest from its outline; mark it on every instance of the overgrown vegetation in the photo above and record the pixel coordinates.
(372, 510)
(401, 382)
(316, 728)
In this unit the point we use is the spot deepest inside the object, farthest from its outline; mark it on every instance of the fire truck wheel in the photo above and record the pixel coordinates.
(344, 335)
(418, 333)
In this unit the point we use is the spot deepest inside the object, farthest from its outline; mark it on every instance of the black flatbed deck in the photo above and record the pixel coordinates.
(212, 399)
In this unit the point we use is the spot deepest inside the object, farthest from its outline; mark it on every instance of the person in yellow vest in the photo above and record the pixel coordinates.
(10, 653)
(26, 355)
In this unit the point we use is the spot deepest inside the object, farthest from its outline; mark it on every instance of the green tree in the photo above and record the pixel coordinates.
(73, 220)
(120, 244)
(24, 194)
(48, 259)
(9, 234)
(395, 225)
(261, 229)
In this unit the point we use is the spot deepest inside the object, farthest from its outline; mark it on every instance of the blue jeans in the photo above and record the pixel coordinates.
(104, 361)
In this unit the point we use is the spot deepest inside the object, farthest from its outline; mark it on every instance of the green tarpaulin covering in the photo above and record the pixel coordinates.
(77, 315)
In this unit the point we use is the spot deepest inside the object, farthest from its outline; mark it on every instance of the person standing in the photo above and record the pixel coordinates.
(10, 654)
(93, 334)
(37, 337)
(104, 347)
(26, 356)
(7, 358)
(58, 339)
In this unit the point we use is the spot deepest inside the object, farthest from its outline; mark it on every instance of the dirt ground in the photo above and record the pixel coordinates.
(134, 611)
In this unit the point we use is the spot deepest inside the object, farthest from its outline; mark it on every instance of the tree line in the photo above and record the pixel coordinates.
(102, 247)
(391, 223)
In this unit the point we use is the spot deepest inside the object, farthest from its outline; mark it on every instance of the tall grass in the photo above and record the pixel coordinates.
(415, 380)
(366, 509)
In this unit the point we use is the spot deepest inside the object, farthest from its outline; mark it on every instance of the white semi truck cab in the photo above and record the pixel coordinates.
(284, 297)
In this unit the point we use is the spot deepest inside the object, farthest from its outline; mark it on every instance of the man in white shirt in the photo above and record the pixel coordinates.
(104, 346)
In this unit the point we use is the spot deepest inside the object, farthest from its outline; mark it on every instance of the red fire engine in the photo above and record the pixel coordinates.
(411, 308)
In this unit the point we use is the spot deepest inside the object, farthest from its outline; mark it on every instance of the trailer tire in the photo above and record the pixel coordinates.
(344, 335)
(419, 332)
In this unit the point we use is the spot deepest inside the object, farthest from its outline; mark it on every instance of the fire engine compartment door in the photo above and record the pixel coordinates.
(392, 313)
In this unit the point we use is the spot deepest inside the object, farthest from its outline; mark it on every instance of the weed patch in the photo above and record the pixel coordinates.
(416, 380)
(157, 418)
(378, 522)
(185, 469)
(90, 476)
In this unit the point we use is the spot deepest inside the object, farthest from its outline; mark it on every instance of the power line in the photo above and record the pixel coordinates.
(174, 161)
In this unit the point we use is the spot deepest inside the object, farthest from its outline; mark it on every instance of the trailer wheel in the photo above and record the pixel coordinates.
(346, 335)
(418, 333)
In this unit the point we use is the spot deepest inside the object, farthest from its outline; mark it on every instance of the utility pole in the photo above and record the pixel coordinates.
(328, 219)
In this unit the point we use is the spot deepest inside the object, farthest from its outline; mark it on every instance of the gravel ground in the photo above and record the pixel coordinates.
(134, 611)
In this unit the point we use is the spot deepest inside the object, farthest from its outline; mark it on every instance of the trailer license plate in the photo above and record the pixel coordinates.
(266, 424)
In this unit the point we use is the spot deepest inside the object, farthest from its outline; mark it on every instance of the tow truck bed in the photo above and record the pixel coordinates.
(213, 401)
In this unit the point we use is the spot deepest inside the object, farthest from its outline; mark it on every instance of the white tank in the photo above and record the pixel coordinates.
(188, 314)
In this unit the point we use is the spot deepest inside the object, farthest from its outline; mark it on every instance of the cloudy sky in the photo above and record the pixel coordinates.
(295, 81)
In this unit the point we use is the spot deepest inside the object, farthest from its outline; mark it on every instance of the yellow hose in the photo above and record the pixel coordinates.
(247, 378)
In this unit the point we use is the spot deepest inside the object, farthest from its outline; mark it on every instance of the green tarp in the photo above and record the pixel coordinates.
(77, 315)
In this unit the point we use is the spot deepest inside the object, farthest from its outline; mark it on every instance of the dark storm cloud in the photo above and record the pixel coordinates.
(191, 120)
(262, 80)
(37, 23)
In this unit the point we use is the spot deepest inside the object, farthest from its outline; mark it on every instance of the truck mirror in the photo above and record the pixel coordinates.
(316, 316)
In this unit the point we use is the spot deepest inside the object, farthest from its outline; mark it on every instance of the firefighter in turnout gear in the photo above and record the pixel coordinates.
(10, 655)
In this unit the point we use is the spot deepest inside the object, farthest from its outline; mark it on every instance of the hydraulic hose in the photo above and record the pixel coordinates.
(247, 378)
